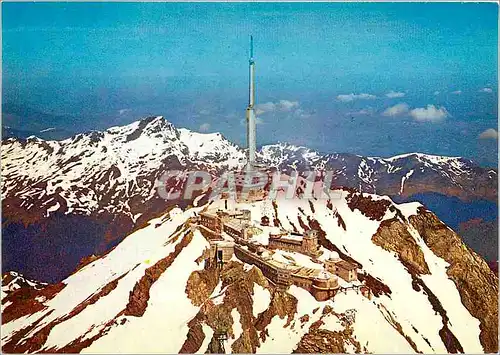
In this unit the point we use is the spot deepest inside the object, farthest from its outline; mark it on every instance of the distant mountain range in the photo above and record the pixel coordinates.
(21, 122)
(86, 192)
(48, 133)
(13, 281)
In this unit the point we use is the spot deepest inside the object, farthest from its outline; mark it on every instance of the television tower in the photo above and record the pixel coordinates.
(251, 134)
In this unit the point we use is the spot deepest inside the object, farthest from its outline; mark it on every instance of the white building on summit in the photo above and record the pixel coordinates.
(231, 233)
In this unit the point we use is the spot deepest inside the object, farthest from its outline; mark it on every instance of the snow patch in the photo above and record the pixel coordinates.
(261, 299)
(403, 179)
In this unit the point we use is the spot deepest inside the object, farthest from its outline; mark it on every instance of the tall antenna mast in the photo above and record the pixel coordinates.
(250, 113)
(251, 49)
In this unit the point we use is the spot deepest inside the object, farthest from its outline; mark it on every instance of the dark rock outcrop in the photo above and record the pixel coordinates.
(25, 301)
(373, 209)
(238, 289)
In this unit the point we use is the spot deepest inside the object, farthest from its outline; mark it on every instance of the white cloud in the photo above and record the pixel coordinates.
(280, 106)
(266, 107)
(436, 93)
(300, 113)
(286, 105)
(204, 112)
(489, 134)
(124, 111)
(205, 127)
(397, 110)
(352, 97)
(457, 92)
(362, 112)
(488, 90)
(393, 94)
(430, 113)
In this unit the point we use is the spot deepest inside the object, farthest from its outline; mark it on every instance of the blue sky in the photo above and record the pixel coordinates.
(112, 63)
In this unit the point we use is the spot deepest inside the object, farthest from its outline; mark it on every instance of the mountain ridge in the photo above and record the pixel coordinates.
(107, 181)
(120, 302)
(283, 144)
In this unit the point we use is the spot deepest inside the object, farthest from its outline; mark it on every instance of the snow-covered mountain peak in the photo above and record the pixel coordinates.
(212, 147)
(94, 171)
(153, 127)
(106, 180)
(283, 146)
(125, 161)
(436, 159)
(156, 285)
(453, 165)
(279, 153)
(12, 281)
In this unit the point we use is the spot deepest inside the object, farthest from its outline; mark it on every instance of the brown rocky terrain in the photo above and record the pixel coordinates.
(320, 340)
(24, 301)
(477, 285)
(238, 285)
(35, 342)
(373, 209)
(326, 341)
(393, 235)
